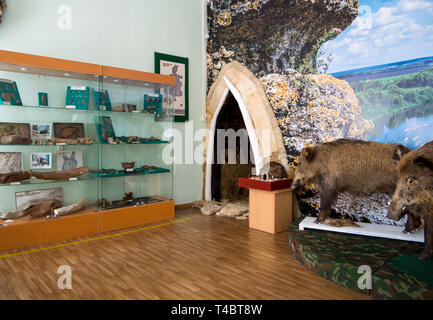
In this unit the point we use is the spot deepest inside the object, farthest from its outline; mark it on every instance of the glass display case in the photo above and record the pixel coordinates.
(78, 139)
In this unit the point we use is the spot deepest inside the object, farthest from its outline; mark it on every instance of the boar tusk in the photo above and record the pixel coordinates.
(389, 203)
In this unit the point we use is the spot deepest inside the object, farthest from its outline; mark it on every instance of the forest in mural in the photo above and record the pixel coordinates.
(386, 55)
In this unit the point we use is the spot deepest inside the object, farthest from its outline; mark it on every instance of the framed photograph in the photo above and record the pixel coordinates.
(67, 160)
(28, 198)
(40, 160)
(105, 129)
(11, 162)
(179, 68)
(14, 129)
(41, 131)
(68, 130)
(43, 99)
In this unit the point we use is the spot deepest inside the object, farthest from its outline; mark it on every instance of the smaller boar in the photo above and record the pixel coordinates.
(356, 166)
(276, 171)
(414, 192)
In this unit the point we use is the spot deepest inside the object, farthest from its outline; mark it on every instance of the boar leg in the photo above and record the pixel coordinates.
(428, 238)
(327, 196)
(412, 223)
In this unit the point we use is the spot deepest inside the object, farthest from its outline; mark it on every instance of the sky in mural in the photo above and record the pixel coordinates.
(383, 32)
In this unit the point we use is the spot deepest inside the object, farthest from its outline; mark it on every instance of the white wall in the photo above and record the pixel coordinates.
(123, 34)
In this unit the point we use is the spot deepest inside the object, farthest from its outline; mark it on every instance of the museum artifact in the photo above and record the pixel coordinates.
(125, 107)
(67, 160)
(43, 99)
(9, 94)
(127, 201)
(414, 192)
(60, 175)
(152, 104)
(128, 165)
(3, 6)
(15, 139)
(105, 130)
(36, 210)
(14, 177)
(10, 162)
(77, 98)
(68, 130)
(101, 99)
(356, 166)
(80, 205)
(41, 131)
(24, 199)
(14, 129)
(58, 141)
(41, 160)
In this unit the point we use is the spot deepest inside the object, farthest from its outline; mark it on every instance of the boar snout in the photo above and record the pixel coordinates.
(395, 213)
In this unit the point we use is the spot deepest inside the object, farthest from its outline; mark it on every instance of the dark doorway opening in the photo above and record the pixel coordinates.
(225, 174)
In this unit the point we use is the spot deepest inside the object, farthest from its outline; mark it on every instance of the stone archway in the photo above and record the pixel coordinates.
(262, 127)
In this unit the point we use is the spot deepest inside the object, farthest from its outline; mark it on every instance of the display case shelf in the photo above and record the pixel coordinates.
(89, 87)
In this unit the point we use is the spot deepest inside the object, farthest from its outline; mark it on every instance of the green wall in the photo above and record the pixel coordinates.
(122, 34)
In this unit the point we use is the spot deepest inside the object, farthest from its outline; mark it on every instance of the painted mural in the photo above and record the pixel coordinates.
(334, 69)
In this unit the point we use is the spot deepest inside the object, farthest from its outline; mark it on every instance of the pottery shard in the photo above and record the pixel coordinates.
(234, 209)
(209, 209)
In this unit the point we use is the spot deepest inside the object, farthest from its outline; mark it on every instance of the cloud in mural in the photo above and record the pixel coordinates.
(384, 33)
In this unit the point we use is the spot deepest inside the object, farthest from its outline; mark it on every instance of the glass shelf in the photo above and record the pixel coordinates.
(34, 181)
(102, 112)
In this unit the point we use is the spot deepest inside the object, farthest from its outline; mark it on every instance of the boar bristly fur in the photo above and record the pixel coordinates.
(356, 166)
(414, 192)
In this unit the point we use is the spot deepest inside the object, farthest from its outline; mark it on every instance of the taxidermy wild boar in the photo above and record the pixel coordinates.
(414, 192)
(276, 171)
(356, 166)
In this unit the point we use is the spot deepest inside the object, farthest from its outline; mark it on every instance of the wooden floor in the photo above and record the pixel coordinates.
(197, 258)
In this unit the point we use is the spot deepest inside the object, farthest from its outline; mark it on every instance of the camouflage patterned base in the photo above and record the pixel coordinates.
(337, 257)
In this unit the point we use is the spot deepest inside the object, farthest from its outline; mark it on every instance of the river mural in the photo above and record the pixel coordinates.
(390, 49)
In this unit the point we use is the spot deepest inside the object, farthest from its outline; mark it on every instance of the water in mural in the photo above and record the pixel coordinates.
(386, 55)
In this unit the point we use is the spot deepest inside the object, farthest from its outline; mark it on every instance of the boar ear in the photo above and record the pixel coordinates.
(423, 162)
(400, 151)
(309, 153)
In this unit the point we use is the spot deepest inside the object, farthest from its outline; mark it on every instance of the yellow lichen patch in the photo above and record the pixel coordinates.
(256, 4)
(224, 19)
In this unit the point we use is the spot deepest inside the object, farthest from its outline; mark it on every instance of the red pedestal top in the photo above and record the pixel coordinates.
(265, 185)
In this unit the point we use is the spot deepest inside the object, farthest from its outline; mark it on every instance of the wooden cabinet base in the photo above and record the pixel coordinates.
(27, 232)
(31, 232)
(134, 216)
(270, 211)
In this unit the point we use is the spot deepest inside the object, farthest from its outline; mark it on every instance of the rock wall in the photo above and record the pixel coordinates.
(270, 36)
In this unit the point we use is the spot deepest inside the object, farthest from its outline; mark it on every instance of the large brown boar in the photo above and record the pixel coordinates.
(414, 192)
(356, 166)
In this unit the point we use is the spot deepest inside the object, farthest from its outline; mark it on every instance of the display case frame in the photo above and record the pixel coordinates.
(152, 179)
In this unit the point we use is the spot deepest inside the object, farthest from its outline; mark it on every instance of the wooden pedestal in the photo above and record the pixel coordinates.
(270, 211)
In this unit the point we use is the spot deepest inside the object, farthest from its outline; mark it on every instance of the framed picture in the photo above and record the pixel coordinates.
(68, 130)
(28, 198)
(77, 98)
(40, 160)
(11, 162)
(9, 94)
(105, 129)
(41, 131)
(43, 99)
(179, 68)
(67, 160)
(101, 99)
(14, 129)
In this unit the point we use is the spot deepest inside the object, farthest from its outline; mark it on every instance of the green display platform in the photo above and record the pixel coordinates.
(420, 269)
(337, 257)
